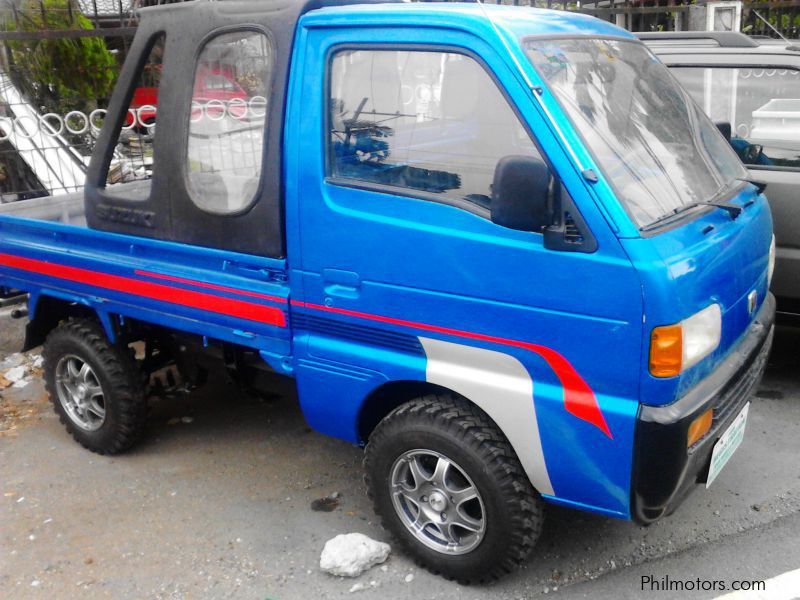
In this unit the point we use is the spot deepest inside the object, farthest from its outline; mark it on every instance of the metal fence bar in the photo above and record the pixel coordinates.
(48, 130)
(61, 34)
(36, 166)
(640, 10)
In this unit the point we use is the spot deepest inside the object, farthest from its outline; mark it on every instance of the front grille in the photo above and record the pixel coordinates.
(738, 392)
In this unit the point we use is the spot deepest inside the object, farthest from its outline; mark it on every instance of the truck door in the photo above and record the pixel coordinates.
(396, 236)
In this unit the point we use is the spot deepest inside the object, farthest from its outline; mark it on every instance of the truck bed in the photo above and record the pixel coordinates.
(46, 249)
(66, 208)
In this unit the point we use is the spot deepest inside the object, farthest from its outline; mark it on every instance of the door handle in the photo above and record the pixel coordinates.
(342, 284)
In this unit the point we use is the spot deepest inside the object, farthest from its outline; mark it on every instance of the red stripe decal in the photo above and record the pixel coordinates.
(579, 399)
(210, 286)
(156, 291)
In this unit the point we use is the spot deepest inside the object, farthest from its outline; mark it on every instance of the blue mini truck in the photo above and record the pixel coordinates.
(500, 247)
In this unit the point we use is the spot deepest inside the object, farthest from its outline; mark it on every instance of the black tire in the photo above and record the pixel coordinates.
(464, 434)
(116, 372)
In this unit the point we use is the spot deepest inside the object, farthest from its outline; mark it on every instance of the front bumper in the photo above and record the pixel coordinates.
(665, 470)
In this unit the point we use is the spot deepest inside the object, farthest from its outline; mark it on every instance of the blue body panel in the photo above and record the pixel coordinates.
(473, 276)
(376, 284)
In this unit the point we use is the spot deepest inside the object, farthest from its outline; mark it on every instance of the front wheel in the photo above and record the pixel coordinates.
(448, 485)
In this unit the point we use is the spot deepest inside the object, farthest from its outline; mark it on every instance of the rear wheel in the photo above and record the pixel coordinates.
(447, 484)
(95, 387)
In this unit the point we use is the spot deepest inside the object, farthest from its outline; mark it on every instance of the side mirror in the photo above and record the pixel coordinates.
(752, 154)
(725, 129)
(522, 193)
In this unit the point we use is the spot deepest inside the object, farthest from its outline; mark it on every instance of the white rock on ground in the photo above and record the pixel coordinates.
(361, 586)
(16, 374)
(350, 554)
(12, 360)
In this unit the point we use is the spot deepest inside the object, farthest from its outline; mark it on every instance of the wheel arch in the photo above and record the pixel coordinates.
(391, 394)
(46, 311)
(495, 382)
(386, 397)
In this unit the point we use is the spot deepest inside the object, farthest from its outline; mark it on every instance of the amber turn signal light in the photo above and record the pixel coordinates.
(699, 427)
(666, 351)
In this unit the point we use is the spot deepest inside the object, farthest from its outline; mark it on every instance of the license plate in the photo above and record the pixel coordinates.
(727, 445)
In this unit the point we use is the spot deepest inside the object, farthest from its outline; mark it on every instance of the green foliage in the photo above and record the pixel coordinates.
(60, 74)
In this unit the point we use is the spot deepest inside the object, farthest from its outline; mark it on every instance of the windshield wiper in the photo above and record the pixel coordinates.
(732, 209)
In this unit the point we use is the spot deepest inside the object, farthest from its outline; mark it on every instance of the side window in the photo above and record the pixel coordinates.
(227, 121)
(132, 164)
(761, 104)
(433, 122)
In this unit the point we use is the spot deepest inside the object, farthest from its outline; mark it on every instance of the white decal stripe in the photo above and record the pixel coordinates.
(502, 387)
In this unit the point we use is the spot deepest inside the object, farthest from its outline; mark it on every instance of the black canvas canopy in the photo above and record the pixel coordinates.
(162, 208)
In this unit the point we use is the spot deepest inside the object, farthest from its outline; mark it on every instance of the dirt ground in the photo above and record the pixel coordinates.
(216, 503)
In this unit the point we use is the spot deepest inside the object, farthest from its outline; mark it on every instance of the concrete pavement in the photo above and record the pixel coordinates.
(219, 507)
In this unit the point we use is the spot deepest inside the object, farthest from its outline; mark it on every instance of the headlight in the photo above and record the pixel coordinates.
(771, 264)
(675, 348)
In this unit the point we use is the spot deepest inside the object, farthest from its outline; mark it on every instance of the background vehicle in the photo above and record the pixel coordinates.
(753, 86)
(486, 248)
(144, 105)
(214, 86)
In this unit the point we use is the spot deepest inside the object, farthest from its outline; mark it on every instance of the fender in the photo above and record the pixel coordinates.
(46, 307)
(501, 386)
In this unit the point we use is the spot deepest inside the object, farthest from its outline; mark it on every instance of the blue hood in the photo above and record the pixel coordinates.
(712, 258)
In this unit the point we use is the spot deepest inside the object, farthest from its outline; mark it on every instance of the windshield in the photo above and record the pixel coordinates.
(658, 149)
